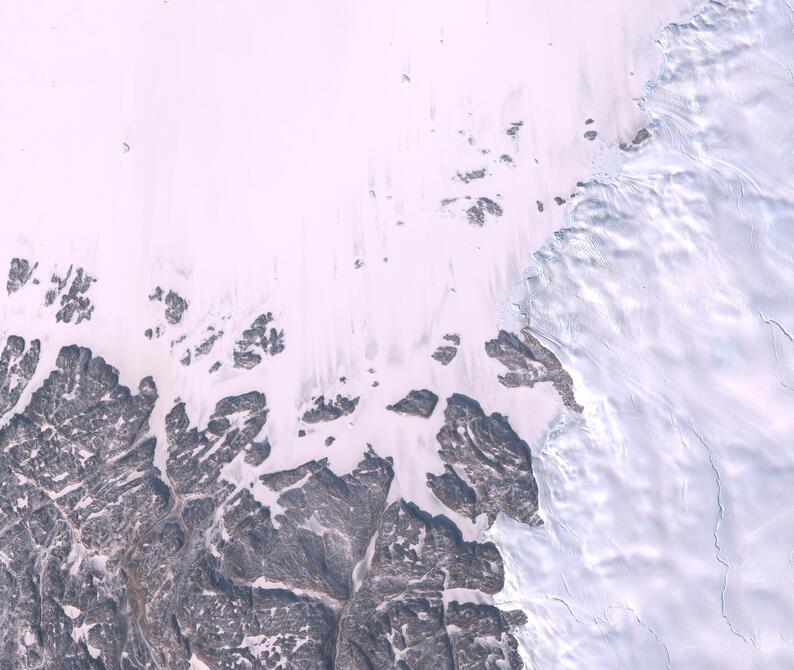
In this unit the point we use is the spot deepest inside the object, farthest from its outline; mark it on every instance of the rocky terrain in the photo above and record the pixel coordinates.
(68, 292)
(109, 562)
(16, 368)
(330, 410)
(175, 304)
(258, 341)
(529, 362)
(494, 465)
(419, 402)
(19, 273)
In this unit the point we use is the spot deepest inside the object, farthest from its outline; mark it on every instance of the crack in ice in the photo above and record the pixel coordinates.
(642, 623)
(720, 553)
(778, 324)
(772, 323)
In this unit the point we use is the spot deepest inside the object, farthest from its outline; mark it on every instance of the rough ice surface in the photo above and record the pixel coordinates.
(669, 513)
(339, 239)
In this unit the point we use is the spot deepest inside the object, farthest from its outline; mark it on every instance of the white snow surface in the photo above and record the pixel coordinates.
(669, 509)
(247, 154)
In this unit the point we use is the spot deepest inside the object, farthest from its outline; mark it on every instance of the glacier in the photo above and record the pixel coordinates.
(669, 534)
(455, 344)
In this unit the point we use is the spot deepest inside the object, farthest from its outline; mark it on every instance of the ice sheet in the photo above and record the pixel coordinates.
(669, 535)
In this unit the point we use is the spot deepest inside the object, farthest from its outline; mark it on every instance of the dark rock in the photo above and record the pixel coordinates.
(530, 362)
(331, 410)
(472, 623)
(466, 177)
(77, 489)
(417, 403)
(59, 285)
(397, 617)
(205, 346)
(445, 354)
(75, 306)
(514, 127)
(590, 135)
(109, 563)
(19, 273)
(257, 453)
(202, 349)
(489, 468)
(641, 136)
(76, 422)
(195, 458)
(476, 213)
(240, 626)
(16, 369)
(175, 307)
(321, 532)
(257, 341)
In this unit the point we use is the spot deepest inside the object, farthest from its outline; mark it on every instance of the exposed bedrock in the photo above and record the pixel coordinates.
(175, 307)
(488, 466)
(529, 362)
(19, 272)
(418, 402)
(77, 489)
(330, 410)
(398, 618)
(17, 366)
(258, 340)
(444, 354)
(107, 562)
